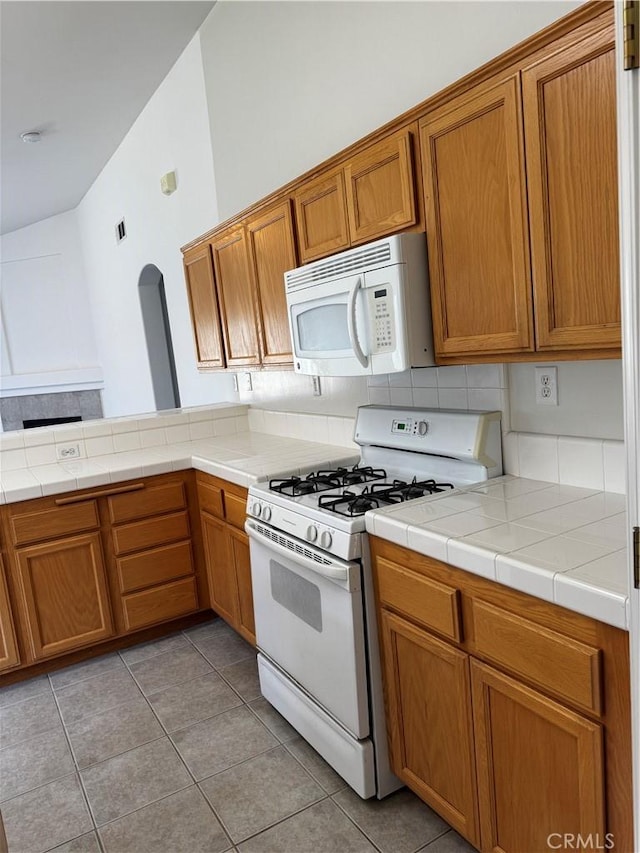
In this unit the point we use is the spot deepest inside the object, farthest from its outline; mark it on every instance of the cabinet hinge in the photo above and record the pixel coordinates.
(631, 34)
(636, 557)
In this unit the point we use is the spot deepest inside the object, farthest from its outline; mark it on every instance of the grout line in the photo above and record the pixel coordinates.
(88, 677)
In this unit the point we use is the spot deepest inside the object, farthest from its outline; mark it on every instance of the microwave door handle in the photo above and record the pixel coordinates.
(351, 322)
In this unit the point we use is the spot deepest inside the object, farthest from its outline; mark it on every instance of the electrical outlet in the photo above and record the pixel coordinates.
(245, 382)
(68, 451)
(317, 388)
(546, 386)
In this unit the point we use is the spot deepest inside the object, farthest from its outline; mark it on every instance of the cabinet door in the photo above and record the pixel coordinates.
(380, 189)
(64, 593)
(570, 133)
(235, 291)
(272, 254)
(429, 720)
(475, 205)
(8, 648)
(540, 766)
(240, 547)
(203, 304)
(321, 217)
(220, 568)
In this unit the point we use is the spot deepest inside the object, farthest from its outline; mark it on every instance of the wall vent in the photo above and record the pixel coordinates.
(121, 231)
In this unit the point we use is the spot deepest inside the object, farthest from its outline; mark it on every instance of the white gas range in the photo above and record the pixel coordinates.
(312, 583)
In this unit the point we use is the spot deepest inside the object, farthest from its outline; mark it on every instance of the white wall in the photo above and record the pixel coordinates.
(292, 83)
(47, 330)
(171, 133)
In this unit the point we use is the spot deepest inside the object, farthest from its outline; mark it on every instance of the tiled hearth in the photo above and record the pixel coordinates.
(15, 410)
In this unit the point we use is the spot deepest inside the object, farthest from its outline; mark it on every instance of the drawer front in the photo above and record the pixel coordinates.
(152, 500)
(158, 565)
(429, 602)
(235, 509)
(210, 499)
(566, 667)
(151, 533)
(53, 523)
(160, 603)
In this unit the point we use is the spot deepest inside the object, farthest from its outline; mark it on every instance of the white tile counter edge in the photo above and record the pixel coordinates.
(508, 552)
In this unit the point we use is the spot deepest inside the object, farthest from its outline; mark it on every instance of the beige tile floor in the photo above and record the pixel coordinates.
(168, 747)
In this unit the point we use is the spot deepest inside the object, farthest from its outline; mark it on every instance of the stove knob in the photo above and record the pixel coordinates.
(312, 533)
(256, 509)
(266, 513)
(423, 427)
(325, 539)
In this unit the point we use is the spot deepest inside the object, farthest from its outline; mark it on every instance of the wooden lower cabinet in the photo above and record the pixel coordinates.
(63, 589)
(428, 691)
(9, 656)
(514, 726)
(239, 542)
(540, 766)
(220, 567)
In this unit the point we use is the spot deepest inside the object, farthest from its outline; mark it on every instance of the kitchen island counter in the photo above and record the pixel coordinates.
(563, 544)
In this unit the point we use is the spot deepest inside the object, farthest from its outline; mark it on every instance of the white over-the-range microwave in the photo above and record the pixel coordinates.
(363, 311)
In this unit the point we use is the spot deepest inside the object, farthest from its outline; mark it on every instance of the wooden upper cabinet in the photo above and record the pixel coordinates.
(203, 304)
(379, 185)
(570, 133)
(273, 252)
(476, 217)
(236, 295)
(8, 648)
(540, 766)
(321, 217)
(63, 588)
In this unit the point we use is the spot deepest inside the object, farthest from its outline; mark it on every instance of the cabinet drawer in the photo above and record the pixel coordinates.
(160, 603)
(210, 499)
(53, 523)
(235, 509)
(155, 566)
(150, 533)
(565, 667)
(424, 600)
(147, 502)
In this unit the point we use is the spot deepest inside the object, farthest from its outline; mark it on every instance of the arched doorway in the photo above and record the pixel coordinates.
(158, 335)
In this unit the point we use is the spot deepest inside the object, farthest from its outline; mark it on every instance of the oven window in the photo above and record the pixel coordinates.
(298, 595)
(324, 329)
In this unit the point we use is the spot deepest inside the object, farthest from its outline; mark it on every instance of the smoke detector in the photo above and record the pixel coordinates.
(31, 136)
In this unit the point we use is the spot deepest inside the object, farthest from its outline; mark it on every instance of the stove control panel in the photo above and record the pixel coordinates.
(409, 426)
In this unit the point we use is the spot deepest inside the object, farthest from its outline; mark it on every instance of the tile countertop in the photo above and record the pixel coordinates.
(564, 544)
(242, 458)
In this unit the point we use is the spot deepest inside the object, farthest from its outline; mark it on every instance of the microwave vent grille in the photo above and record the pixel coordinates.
(349, 264)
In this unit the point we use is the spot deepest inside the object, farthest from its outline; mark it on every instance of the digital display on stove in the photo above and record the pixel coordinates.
(377, 294)
(402, 426)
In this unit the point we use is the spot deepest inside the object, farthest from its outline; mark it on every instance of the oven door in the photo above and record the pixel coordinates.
(309, 621)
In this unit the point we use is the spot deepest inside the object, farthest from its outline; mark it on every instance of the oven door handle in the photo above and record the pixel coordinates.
(351, 323)
(333, 569)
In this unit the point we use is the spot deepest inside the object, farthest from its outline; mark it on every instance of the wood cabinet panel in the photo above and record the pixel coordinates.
(236, 295)
(210, 498)
(527, 648)
(51, 523)
(475, 203)
(152, 500)
(154, 566)
(430, 602)
(220, 568)
(273, 252)
(9, 656)
(379, 186)
(160, 603)
(235, 507)
(242, 562)
(570, 131)
(429, 720)
(150, 533)
(540, 767)
(321, 217)
(63, 588)
(203, 304)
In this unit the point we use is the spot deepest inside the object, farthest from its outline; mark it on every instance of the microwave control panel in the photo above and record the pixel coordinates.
(383, 320)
